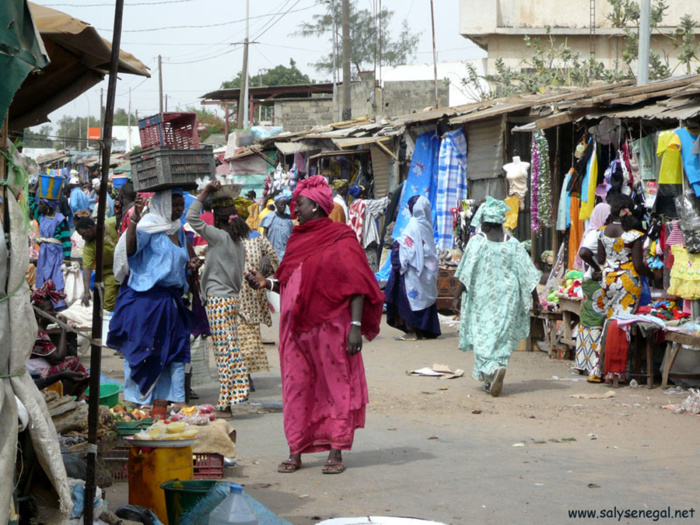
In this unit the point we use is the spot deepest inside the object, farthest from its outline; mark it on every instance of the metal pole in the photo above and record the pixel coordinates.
(432, 19)
(160, 83)
(347, 101)
(102, 107)
(335, 62)
(644, 37)
(96, 347)
(246, 106)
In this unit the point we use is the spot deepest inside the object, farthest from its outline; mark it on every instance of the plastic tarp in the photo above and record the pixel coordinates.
(79, 58)
(21, 50)
(18, 331)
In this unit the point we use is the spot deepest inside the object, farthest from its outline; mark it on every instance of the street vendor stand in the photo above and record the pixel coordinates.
(570, 308)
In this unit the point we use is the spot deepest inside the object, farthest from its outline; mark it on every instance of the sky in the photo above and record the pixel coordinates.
(199, 41)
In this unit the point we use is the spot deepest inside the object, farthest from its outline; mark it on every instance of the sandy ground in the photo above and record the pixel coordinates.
(445, 450)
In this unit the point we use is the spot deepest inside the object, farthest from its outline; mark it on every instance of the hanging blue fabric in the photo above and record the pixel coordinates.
(422, 178)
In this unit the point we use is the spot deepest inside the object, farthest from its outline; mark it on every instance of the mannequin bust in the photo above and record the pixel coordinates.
(516, 174)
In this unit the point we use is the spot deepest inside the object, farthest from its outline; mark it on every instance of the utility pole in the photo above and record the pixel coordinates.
(243, 94)
(96, 339)
(160, 83)
(128, 123)
(102, 107)
(347, 101)
(166, 103)
(644, 37)
(435, 78)
(335, 61)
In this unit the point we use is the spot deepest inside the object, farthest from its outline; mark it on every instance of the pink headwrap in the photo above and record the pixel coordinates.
(317, 189)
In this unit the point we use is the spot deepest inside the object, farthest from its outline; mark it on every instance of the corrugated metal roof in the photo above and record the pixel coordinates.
(358, 141)
(290, 148)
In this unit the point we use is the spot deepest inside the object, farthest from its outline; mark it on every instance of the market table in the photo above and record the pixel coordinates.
(569, 306)
(674, 340)
(549, 328)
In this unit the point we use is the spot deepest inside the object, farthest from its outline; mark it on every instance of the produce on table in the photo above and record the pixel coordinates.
(164, 431)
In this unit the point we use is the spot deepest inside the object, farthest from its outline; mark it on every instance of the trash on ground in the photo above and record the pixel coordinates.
(606, 395)
(438, 370)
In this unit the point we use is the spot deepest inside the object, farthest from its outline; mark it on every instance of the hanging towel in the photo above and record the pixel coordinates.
(451, 185)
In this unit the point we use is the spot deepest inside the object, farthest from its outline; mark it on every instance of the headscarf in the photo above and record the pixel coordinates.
(240, 204)
(356, 190)
(160, 210)
(493, 210)
(53, 204)
(317, 189)
(47, 292)
(418, 255)
(339, 184)
(157, 220)
(284, 195)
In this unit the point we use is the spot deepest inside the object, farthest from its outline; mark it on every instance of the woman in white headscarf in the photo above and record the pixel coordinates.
(411, 290)
(150, 325)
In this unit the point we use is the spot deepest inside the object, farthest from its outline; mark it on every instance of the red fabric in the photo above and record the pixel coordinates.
(208, 218)
(317, 189)
(357, 217)
(616, 348)
(334, 269)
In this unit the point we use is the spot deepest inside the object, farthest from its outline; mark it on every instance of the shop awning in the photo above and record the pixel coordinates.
(340, 153)
(290, 148)
(21, 50)
(79, 58)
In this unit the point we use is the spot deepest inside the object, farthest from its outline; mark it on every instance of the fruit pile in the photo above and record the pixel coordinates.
(167, 431)
(119, 413)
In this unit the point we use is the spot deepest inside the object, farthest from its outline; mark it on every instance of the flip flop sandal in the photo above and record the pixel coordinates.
(333, 467)
(497, 383)
(288, 466)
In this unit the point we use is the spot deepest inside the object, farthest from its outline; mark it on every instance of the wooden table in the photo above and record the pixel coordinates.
(549, 329)
(674, 340)
(569, 307)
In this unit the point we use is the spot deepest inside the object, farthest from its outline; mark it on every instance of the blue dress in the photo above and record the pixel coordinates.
(151, 325)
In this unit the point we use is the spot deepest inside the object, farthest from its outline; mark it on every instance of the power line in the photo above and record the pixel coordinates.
(206, 25)
(112, 5)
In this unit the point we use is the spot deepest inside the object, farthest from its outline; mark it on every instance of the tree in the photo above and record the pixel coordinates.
(277, 76)
(368, 46)
(72, 132)
(209, 122)
(38, 139)
(121, 118)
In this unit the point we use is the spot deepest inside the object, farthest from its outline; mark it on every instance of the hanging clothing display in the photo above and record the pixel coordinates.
(670, 167)
(685, 275)
(644, 149)
(513, 203)
(590, 183)
(421, 174)
(541, 184)
(451, 185)
(576, 231)
(563, 218)
(683, 140)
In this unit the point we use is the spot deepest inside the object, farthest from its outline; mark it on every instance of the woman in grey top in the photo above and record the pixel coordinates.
(221, 282)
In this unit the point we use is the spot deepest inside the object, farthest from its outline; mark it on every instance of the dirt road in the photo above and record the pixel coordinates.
(447, 451)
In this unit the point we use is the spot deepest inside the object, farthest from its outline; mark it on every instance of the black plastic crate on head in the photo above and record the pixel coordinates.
(162, 168)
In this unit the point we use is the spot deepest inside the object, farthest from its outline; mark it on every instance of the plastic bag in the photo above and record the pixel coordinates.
(688, 207)
(73, 283)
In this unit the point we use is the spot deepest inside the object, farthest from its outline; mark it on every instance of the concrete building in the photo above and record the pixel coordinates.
(498, 27)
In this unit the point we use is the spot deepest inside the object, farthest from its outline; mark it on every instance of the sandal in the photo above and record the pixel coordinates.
(333, 467)
(407, 337)
(288, 466)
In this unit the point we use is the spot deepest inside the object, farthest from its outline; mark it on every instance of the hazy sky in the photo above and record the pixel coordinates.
(199, 42)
